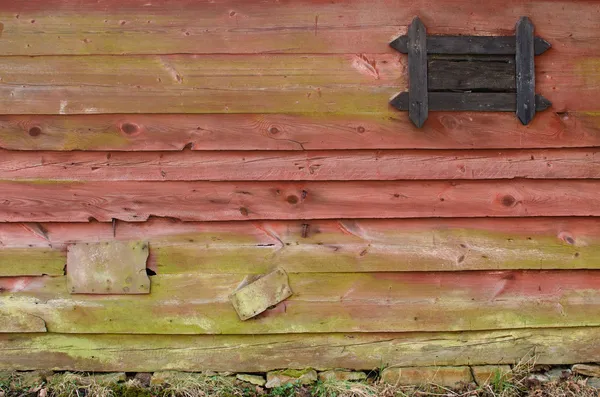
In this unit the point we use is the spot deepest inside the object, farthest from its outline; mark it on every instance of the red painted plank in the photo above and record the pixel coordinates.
(303, 26)
(213, 201)
(576, 231)
(441, 244)
(312, 165)
(287, 132)
(336, 84)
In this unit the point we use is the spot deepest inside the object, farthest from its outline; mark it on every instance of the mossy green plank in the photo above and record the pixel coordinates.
(322, 302)
(16, 322)
(321, 246)
(260, 353)
(33, 261)
(197, 84)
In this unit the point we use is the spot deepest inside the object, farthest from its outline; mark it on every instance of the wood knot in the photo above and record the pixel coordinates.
(360, 129)
(567, 238)
(35, 131)
(292, 199)
(274, 130)
(508, 200)
(244, 211)
(130, 128)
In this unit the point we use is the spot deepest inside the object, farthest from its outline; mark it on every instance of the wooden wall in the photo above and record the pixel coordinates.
(239, 136)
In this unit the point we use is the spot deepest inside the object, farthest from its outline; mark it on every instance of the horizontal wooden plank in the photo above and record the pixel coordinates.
(296, 132)
(298, 166)
(239, 353)
(319, 246)
(236, 26)
(475, 74)
(53, 201)
(32, 261)
(338, 84)
(322, 302)
(199, 84)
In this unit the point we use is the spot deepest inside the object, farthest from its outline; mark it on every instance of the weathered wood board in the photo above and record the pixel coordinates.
(310, 165)
(320, 246)
(296, 132)
(64, 201)
(239, 353)
(322, 302)
(337, 84)
(38, 27)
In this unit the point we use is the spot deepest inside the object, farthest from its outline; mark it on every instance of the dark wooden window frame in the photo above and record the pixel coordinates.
(470, 73)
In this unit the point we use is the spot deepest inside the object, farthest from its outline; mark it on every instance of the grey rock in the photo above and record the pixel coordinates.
(252, 379)
(587, 369)
(291, 376)
(558, 374)
(342, 375)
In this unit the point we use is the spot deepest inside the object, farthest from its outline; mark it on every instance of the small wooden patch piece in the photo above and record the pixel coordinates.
(114, 268)
(525, 71)
(261, 294)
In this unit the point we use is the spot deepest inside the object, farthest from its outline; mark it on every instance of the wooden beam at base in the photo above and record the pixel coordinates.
(65, 201)
(259, 353)
(396, 245)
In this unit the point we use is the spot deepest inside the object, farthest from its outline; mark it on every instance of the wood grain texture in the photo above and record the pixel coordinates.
(471, 73)
(54, 201)
(297, 166)
(320, 246)
(296, 132)
(238, 353)
(324, 84)
(345, 84)
(46, 27)
(470, 101)
(471, 45)
(322, 302)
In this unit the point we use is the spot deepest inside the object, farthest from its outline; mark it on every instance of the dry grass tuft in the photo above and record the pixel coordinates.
(333, 388)
(77, 385)
(198, 385)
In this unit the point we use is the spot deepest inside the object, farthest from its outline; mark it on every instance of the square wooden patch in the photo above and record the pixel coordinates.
(114, 267)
